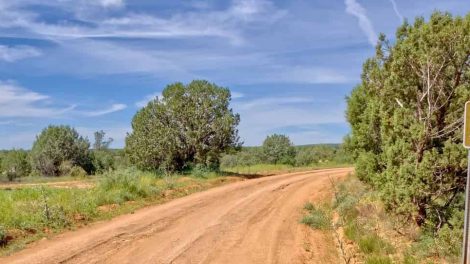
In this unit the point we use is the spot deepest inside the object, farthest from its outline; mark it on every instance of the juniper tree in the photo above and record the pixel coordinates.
(190, 124)
(406, 118)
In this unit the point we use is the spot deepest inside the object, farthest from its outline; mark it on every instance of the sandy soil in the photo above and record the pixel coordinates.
(253, 221)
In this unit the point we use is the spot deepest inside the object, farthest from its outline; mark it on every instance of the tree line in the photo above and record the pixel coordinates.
(191, 125)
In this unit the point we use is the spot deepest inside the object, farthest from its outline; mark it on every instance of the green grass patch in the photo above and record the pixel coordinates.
(316, 218)
(373, 244)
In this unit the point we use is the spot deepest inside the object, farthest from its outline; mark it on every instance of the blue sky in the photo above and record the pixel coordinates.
(92, 64)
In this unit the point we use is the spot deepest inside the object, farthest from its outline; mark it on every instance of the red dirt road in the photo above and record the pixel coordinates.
(254, 221)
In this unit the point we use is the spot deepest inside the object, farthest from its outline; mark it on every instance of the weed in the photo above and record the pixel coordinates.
(316, 218)
(372, 243)
(309, 206)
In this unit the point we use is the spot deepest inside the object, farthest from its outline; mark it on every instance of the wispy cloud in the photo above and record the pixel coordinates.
(270, 102)
(356, 9)
(113, 108)
(397, 12)
(15, 53)
(16, 101)
(147, 99)
(201, 23)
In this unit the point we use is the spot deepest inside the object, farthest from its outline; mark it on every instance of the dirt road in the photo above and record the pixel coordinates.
(254, 221)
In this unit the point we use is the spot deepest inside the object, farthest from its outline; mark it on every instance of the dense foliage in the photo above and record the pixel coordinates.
(58, 144)
(406, 119)
(278, 149)
(190, 124)
(15, 164)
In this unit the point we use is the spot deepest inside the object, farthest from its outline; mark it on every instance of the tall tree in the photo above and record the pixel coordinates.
(190, 124)
(279, 149)
(406, 118)
(100, 142)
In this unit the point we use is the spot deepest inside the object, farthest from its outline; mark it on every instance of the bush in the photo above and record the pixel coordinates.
(316, 218)
(77, 172)
(103, 161)
(278, 149)
(58, 144)
(15, 164)
(372, 243)
(125, 185)
(190, 124)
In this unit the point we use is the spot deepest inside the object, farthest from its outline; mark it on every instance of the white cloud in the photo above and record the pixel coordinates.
(112, 3)
(147, 99)
(112, 109)
(212, 23)
(16, 101)
(355, 9)
(397, 12)
(15, 53)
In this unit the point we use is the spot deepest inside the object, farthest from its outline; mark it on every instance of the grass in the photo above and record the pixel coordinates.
(316, 218)
(30, 213)
(372, 230)
(360, 217)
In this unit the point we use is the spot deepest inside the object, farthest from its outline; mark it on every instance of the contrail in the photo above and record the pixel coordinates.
(397, 12)
(355, 9)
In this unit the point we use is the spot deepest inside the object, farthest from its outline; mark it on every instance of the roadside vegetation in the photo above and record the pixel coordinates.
(365, 232)
(406, 140)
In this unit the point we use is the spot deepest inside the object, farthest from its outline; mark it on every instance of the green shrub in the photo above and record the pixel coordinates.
(316, 218)
(125, 185)
(15, 163)
(278, 149)
(352, 231)
(78, 172)
(104, 160)
(57, 144)
(372, 243)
